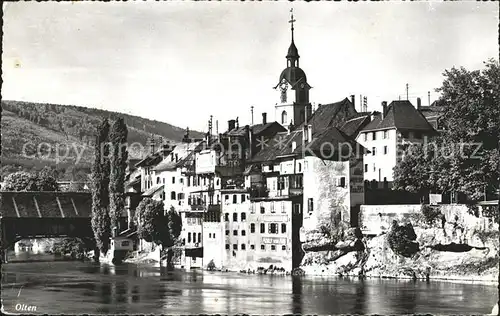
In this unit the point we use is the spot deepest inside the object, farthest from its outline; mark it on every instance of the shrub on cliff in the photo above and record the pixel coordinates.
(431, 214)
(402, 239)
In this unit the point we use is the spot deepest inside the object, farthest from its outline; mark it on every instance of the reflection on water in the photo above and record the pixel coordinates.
(83, 287)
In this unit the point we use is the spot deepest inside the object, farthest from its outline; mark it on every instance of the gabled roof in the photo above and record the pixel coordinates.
(257, 129)
(401, 115)
(326, 122)
(353, 126)
(150, 160)
(183, 151)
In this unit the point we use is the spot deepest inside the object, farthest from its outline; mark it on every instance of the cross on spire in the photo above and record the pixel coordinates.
(291, 21)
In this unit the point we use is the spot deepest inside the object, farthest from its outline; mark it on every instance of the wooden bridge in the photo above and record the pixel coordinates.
(44, 214)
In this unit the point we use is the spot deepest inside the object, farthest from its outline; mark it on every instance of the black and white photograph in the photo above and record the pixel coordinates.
(258, 157)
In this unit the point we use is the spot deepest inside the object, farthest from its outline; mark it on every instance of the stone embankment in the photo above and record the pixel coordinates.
(446, 251)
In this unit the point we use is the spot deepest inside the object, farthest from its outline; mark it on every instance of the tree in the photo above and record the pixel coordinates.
(47, 180)
(465, 156)
(21, 181)
(118, 165)
(26, 181)
(472, 121)
(100, 192)
(158, 226)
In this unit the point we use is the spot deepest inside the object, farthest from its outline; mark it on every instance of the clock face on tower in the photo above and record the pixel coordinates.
(283, 85)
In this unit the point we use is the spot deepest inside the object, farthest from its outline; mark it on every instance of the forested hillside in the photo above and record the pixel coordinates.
(61, 136)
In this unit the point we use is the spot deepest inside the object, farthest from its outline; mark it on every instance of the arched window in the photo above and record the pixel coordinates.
(283, 117)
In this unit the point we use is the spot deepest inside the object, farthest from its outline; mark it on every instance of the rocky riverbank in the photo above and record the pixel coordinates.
(450, 252)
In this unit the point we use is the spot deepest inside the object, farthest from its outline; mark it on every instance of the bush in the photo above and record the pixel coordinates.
(70, 246)
(211, 265)
(430, 214)
(402, 239)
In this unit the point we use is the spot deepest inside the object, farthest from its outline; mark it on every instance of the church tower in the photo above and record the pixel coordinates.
(293, 106)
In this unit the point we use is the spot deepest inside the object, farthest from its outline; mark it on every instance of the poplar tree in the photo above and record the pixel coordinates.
(100, 189)
(118, 165)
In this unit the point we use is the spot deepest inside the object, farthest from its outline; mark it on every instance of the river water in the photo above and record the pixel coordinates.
(85, 287)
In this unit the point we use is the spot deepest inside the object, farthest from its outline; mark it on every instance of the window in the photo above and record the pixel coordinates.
(271, 168)
(242, 198)
(209, 235)
(226, 197)
(262, 247)
(272, 207)
(194, 237)
(204, 181)
(235, 217)
(189, 181)
(226, 217)
(385, 150)
(180, 196)
(283, 114)
(273, 247)
(283, 207)
(157, 180)
(252, 247)
(252, 228)
(227, 246)
(283, 228)
(386, 134)
(243, 217)
(299, 167)
(235, 199)
(310, 205)
(273, 228)
(217, 182)
(373, 151)
(243, 247)
(243, 233)
(172, 195)
(283, 247)
(125, 243)
(173, 179)
(365, 136)
(163, 180)
(199, 237)
(227, 232)
(235, 233)
(374, 135)
(262, 228)
(181, 180)
(235, 247)
(342, 182)
(189, 237)
(374, 168)
(366, 167)
(262, 210)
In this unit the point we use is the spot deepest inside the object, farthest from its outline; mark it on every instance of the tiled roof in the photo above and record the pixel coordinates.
(353, 126)
(401, 115)
(150, 160)
(45, 204)
(326, 122)
(183, 151)
(257, 129)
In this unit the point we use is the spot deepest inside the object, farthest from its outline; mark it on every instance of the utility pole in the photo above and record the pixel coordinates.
(429, 98)
(406, 92)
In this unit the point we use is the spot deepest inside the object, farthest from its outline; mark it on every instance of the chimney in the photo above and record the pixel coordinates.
(309, 132)
(353, 100)
(294, 146)
(264, 118)
(384, 109)
(231, 124)
(419, 104)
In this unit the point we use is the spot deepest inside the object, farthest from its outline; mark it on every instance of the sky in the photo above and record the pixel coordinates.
(180, 62)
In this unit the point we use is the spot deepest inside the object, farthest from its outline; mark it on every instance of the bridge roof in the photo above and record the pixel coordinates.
(26, 204)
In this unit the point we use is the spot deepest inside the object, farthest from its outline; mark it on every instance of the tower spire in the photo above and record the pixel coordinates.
(292, 20)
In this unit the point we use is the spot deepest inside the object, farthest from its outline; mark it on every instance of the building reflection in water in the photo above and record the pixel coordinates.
(297, 295)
